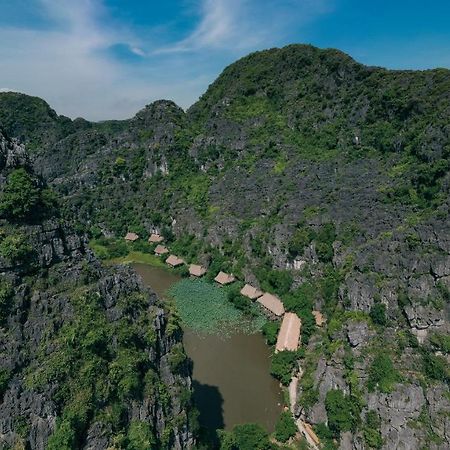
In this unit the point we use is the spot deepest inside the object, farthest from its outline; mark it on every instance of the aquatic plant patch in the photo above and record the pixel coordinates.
(205, 308)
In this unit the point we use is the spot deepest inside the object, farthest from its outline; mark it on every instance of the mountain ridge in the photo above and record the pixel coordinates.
(313, 177)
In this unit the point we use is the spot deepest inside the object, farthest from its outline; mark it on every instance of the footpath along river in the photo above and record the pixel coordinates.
(231, 375)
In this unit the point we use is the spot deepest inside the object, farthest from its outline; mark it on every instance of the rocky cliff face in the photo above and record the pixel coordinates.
(297, 165)
(89, 357)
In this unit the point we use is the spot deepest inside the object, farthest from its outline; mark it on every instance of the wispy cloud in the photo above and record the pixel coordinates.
(236, 25)
(71, 62)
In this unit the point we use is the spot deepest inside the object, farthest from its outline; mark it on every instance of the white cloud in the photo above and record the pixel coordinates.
(239, 25)
(70, 65)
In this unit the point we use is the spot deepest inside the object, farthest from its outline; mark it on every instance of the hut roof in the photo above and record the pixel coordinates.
(289, 334)
(251, 292)
(224, 278)
(309, 430)
(161, 250)
(196, 270)
(320, 320)
(174, 261)
(131, 237)
(155, 238)
(272, 303)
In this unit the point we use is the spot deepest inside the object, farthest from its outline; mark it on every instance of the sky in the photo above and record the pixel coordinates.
(106, 59)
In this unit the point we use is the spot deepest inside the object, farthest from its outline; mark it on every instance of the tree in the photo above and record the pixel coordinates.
(378, 314)
(435, 367)
(285, 428)
(282, 365)
(14, 247)
(382, 373)
(270, 331)
(251, 436)
(371, 431)
(22, 197)
(140, 436)
(6, 294)
(343, 411)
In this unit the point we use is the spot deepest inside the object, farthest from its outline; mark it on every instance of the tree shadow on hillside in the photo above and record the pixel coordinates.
(209, 402)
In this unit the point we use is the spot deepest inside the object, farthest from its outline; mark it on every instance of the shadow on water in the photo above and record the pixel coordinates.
(209, 402)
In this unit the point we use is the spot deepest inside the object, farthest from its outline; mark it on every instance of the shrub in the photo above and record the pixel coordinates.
(22, 198)
(435, 367)
(5, 376)
(378, 314)
(282, 365)
(275, 281)
(285, 428)
(342, 410)
(249, 436)
(300, 239)
(371, 431)
(324, 242)
(382, 374)
(301, 302)
(270, 330)
(441, 342)
(6, 294)
(140, 436)
(177, 358)
(15, 248)
(63, 438)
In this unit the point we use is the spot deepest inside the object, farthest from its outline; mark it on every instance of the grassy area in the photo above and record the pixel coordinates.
(205, 308)
(138, 257)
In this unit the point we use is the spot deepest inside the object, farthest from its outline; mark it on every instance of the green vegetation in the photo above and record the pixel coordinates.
(205, 307)
(378, 314)
(5, 376)
(87, 350)
(270, 330)
(140, 437)
(285, 428)
(301, 302)
(15, 248)
(275, 281)
(248, 436)
(282, 366)
(435, 367)
(440, 342)
(6, 294)
(326, 436)
(382, 374)
(371, 430)
(324, 237)
(343, 411)
(23, 198)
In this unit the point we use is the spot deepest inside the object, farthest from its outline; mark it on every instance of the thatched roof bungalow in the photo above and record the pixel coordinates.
(251, 292)
(272, 303)
(196, 270)
(310, 432)
(224, 278)
(161, 250)
(289, 334)
(131, 237)
(174, 261)
(155, 238)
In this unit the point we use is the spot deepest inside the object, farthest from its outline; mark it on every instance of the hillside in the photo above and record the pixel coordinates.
(89, 358)
(309, 175)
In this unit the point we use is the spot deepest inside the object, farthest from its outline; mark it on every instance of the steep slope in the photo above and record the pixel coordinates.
(89, 357)
(316, 178)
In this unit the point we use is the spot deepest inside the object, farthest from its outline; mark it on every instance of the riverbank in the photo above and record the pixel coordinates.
(231, 368)
(209, 313)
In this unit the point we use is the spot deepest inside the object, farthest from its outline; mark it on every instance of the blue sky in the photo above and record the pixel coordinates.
(103, 59)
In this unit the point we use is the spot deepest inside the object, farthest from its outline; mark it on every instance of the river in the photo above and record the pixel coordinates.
(231, 378)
